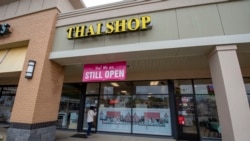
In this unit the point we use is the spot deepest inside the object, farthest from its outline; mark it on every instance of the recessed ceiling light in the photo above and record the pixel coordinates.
(115, 84)
(154, 83)
(124, 91)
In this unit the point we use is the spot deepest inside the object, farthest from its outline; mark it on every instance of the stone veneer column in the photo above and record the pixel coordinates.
(230, 94)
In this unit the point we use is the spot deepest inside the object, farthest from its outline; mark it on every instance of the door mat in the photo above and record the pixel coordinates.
(80, 136)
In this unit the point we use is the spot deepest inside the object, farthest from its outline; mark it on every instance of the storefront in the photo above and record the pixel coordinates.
(186, 72)
(144, 107)
(172, 46)
(127, 107)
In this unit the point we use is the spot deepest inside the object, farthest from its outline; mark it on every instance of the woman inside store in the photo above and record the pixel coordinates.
(90, 118)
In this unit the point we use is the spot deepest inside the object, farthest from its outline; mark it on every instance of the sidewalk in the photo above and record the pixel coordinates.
(66, 136)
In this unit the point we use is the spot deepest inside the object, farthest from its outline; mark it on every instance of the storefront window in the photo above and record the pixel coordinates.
(90, 101)
(203, 86)
(150, 87)
(92, 88)
(247, 86)
(183, 87)
(115, 113)
(142, 107)
(7, 97)
(150, 112)
(145, 110)
(69, 106)
(207, 113)
(115, 107)
(123, 88)
(248, 97)
(151, 115)
(126, 107)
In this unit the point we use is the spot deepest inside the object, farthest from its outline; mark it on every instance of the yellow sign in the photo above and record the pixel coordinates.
(119, 26)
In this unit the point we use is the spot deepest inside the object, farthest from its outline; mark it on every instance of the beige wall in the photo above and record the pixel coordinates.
(199, 21)
(182, 23)
(235, 17)
(175, 25)
(16, 8)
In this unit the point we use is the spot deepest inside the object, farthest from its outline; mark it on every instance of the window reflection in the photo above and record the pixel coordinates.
(148, 101)
(7, 97)
(129, 107)
(116, 88)
(206, 109)
(69, 106)
(115, 107)
(6, 104)
(115, 101)
(150, 87)
(247, 86)
(248, 96)
(203, 86)
(207, 115)
(151, 115)
(115, 113)
(92, 88)
(183, 87)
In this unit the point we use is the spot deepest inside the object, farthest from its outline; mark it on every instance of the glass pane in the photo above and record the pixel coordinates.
(9, 90)
(207, 116)
(116, 88)
(186, 114)
(183, 87)
(90, 101)
(247, 85)
(203, 86)
(6, 104)
(150, 87)
(248, 96)
(115, 113)
(247, 88)
(69, 106)
(151, 115)
(7, 97)
(92, 88)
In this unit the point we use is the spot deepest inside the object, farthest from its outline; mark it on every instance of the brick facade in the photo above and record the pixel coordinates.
(37, 99)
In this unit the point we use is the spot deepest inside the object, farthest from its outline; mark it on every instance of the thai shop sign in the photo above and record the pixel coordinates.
(104, 72)
(110, 27)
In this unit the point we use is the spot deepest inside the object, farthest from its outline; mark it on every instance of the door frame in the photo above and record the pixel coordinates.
(82, 107)
(180, 134)
(97, 109)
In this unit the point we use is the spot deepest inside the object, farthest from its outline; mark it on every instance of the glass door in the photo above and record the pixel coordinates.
(187, 127)
(90, 101)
